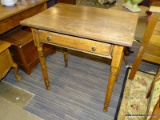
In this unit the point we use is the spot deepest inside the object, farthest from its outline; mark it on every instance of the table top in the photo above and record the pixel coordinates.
(105, 25)
(20, 6)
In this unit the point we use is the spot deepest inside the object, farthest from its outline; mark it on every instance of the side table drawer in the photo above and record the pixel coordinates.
(71, 42)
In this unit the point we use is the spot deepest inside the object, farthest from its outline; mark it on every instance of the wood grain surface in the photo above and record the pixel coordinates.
(106, 25)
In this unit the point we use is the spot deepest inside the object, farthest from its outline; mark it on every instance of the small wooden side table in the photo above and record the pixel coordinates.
(6, 61)
(96, 31)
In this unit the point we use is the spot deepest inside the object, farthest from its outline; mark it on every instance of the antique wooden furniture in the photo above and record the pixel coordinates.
(91, 30)
(6, 61)
(24, 52)
(11, 16)
(22, 42)
(149, 49)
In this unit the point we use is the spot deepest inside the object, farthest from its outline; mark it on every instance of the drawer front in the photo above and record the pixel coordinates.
(9, 23)
(81, 44)
(14, 20)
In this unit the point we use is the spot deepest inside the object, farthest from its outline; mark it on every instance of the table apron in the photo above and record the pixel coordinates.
(76, 43)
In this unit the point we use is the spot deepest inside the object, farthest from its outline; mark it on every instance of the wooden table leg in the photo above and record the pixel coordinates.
(117, 56)
(65, 56)
(136, 63)
(39, 46)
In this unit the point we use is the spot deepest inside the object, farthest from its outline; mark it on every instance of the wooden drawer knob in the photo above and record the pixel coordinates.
(49, 38)
(93, 48)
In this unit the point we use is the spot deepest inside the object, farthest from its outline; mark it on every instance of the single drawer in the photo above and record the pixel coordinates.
(81, 44)
(9, 23)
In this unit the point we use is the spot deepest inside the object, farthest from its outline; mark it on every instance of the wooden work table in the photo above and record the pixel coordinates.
(11, 16)
(101, 32)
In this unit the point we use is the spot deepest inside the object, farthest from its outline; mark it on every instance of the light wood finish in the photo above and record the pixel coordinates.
(101, 32)
(117, 56)
(80, 44)
(65, 19)
(6, 61)
(11, 16)
(149, 49)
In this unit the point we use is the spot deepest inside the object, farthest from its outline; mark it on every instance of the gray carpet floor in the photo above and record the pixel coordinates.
(77, 92)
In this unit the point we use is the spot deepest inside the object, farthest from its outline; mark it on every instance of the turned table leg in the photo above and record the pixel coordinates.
(39, 46)
(117, 56)
(43, 67)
